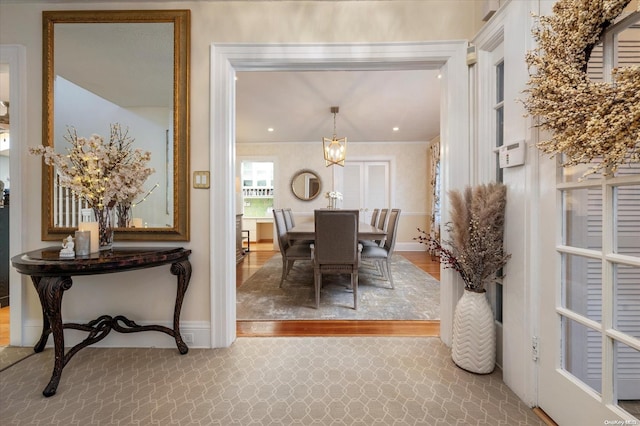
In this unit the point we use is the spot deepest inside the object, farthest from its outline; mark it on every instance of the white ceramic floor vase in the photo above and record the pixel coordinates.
(474, 334)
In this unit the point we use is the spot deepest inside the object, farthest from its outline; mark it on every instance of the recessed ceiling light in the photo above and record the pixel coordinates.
(395, 129)
(270, 129)
(439, 76)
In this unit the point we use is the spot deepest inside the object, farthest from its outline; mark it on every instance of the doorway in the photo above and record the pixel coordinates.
(226, 59)
(13, 65)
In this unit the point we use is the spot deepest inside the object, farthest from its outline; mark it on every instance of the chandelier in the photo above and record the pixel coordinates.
(335, 149)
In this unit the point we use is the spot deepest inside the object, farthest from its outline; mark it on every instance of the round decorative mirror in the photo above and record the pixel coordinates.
(306, 185)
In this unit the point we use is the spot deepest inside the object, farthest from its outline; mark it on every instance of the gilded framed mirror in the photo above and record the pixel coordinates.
(124, 67)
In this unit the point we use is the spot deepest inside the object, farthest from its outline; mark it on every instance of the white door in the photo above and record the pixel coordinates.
(590, 294)
(364, 186)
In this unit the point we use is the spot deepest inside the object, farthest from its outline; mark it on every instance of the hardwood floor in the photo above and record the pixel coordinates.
(261, 252)
(4, 326)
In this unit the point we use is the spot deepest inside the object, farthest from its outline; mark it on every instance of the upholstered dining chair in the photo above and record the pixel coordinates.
(290, 252)
(290, 223)
(381, 255)
(382, 225)
(382, 219)
(288, 218)
(374, 216)
(336, 249)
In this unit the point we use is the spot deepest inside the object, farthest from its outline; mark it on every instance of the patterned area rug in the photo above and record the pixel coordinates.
(416, 295)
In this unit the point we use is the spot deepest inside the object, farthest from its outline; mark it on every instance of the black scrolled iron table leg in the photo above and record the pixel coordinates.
(182, 270)
(46, 327)
(50, 291)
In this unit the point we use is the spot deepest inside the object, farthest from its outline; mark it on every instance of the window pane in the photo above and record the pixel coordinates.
(498, 307)
(582, 353)
(626, 309)
(594, 67)
(627, 46)
(500, 82)
(577, 173)
(582, 285)
(583, 217)
(627, 216)
(499, 126)
(627, 378)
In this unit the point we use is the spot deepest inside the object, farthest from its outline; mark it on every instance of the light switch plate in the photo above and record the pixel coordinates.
(201, 180)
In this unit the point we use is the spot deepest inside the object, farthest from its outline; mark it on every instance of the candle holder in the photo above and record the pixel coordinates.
(83, 243)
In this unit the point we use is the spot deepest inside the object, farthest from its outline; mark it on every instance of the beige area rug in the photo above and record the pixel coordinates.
(9, 355)
(355, 381)
(416, 295)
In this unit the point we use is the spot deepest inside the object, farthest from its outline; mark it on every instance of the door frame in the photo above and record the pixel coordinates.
(15, 56)
(227, 58)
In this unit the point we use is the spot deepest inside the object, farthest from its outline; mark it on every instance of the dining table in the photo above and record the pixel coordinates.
(306, 231)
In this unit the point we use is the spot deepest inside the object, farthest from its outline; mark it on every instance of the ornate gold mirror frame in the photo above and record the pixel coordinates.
(176, 145)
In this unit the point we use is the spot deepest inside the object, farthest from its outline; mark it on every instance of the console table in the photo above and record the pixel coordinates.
(51, 276)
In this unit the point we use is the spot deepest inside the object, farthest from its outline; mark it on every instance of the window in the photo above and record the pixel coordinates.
(257, 188)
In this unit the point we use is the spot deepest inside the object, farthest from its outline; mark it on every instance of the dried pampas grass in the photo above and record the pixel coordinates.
(476, 230)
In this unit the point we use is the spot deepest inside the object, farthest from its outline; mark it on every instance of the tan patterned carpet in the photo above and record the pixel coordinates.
(263, 381)
(10, 355)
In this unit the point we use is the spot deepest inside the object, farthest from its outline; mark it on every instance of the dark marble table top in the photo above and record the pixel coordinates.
(47, 261)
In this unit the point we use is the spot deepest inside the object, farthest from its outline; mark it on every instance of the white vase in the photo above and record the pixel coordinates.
(474, 334)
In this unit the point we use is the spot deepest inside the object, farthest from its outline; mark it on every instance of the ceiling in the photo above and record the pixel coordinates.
(296, 105)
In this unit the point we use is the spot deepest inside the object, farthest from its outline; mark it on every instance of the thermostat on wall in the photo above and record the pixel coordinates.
(512, 154)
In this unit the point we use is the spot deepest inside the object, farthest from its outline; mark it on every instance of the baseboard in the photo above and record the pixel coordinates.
(196, 334)
(410, 246)
(544, 416)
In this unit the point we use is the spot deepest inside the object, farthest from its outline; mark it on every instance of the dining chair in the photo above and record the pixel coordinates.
(382, 219)
(290, 223)
(381, 255)
(288, 218)
(336, 249)
(382, 225)
(290, 252)
(374, 216)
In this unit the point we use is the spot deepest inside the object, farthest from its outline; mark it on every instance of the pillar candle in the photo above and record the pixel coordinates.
(137, 222)
(83, 243)
(94, 237)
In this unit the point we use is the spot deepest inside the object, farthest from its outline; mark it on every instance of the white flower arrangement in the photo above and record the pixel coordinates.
(589, 120)
(333, 195)
(102, 173)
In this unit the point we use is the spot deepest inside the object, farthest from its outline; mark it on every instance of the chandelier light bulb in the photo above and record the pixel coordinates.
(335, 149)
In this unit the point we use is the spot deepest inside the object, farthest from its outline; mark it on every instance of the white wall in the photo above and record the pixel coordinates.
(520, 285)
(409, 180)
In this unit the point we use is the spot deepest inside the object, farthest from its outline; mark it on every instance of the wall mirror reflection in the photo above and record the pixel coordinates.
(128, 68)
(306, 185)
